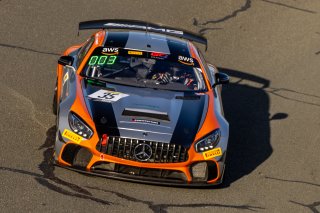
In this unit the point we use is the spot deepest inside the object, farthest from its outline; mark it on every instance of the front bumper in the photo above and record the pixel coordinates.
(141, 179)
(174, 174)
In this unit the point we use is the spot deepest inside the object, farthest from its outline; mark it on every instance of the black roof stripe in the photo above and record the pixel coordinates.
(178, 48)
(117, 39)
(188, 121)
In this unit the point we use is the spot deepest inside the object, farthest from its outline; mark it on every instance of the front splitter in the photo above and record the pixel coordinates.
(141, 179)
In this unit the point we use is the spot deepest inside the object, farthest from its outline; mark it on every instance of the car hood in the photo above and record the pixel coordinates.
(145, 113)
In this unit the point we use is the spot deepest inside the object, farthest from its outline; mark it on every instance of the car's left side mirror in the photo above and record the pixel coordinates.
(221, 78)
(65, 60)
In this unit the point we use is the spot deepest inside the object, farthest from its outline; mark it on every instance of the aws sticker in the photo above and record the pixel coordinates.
(107, 96)
(212, 153)
(72, 136)
(186, 60)
(110, 51)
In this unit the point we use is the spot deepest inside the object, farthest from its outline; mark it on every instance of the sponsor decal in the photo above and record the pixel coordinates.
(186, 60)
(102, 60)
(110, 51)
(145, 121)
(130, 52)
(107, 96)
(159, 55)
(72, 136)
(212, 153)
(65, 78)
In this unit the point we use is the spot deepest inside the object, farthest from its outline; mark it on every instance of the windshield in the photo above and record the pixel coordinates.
(144, 69)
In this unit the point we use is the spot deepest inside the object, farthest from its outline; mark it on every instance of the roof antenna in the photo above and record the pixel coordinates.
(147, 28)
(147, 32)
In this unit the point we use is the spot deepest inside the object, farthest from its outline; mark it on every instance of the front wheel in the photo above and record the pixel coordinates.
(57, 133)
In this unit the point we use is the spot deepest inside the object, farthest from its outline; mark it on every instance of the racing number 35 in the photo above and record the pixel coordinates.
(107, 95)
(101, 60)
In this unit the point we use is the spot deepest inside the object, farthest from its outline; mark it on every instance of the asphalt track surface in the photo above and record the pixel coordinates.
(270, 48)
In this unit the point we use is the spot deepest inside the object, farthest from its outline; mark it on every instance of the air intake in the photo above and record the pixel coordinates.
(146, 113)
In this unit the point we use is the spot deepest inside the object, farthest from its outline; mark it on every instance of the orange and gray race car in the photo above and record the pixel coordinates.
(137, 101)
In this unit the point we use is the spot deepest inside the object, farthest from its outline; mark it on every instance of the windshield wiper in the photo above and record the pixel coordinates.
(97, 80)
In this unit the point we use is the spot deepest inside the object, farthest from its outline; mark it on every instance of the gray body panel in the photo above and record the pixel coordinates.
(66, 101)
(157, 43)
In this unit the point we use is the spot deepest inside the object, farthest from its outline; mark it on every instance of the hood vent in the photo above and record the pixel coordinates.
(163, 116)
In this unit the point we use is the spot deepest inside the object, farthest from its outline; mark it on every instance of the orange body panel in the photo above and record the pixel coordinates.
(210, 122)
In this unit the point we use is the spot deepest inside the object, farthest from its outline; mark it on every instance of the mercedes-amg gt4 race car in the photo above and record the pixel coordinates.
(137, 101)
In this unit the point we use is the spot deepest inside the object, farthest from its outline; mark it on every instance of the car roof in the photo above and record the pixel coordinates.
(147, 41)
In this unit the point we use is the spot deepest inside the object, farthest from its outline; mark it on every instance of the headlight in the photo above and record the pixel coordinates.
(78, 126)
(209, 142)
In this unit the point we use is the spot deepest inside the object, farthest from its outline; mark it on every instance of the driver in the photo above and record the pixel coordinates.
(163, 73)
(183, 75)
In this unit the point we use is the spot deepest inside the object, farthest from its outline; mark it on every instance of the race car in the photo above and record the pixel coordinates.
(138, 102)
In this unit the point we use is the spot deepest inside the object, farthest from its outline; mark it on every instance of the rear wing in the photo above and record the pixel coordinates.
(142, 26)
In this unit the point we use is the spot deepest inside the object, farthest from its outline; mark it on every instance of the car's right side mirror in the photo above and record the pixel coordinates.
(221, 78)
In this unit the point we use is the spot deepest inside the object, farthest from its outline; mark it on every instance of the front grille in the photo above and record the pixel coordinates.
(161, 152)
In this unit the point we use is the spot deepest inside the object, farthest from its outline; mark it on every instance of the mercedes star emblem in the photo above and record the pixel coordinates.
(143, 152)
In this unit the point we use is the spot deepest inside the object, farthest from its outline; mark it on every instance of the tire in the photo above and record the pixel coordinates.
(54, 102)
(57, 134)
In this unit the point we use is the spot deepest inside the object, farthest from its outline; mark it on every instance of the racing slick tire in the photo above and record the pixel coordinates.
(54, 101)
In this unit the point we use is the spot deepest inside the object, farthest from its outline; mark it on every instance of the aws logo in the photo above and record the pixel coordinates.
(110, 51)
(186, 60)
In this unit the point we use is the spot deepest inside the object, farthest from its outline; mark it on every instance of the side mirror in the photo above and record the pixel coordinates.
(65, 60)
(221, 78)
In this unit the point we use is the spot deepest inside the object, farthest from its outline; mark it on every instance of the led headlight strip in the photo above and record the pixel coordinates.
(209, 142)
(79, 126)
